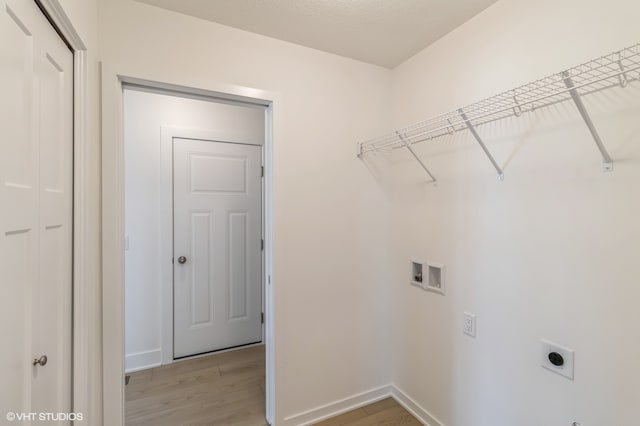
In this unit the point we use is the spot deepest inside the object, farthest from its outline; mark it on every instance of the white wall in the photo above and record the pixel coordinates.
(551, 252)
(330, 217)
(145, 113)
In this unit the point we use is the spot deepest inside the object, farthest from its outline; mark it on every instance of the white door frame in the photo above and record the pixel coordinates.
(85, 243)
(167, 134)
(113, 78)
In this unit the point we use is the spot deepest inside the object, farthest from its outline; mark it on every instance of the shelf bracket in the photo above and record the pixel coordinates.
(622, 77)
(408, 146)
(477, 137)
(607, 162)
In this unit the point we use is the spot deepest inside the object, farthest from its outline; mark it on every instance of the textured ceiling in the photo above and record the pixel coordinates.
(381, 32)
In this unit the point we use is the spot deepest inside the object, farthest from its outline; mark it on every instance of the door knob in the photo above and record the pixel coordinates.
(182, 259)
(42, 361)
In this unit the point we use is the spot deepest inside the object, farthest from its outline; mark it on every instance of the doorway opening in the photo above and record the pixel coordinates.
(194, 257)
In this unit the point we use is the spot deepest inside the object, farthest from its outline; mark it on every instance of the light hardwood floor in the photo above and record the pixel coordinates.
(225, 389)
(222, 389)
(386, 412)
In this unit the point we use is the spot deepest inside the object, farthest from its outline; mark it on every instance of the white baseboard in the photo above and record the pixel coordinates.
(413, 407)
(142, 360)
(336, 408)
(342, 406)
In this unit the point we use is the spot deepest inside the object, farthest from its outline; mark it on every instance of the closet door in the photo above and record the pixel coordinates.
(36, 148)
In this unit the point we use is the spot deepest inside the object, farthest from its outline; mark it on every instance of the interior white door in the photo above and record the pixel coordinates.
(36, 119)
(217, 245)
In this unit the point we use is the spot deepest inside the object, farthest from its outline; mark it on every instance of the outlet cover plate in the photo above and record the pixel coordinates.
(566, 369)
(469, 324)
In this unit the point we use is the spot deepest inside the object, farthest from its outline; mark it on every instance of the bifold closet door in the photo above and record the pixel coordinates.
(36, 173)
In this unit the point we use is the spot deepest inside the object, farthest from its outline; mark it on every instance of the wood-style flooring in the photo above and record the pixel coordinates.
(225, 389)
(386, 412)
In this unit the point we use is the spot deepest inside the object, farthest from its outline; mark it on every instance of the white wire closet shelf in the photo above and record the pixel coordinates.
(615, 69)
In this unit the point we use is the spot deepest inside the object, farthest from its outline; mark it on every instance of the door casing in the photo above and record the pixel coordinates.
(113, 79)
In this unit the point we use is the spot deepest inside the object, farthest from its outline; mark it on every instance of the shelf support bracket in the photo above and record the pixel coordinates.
(607, 162)
(408, 146)
(477, 137)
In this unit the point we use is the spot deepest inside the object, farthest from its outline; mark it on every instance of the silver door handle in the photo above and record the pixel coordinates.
(182, 259)
(42, 361)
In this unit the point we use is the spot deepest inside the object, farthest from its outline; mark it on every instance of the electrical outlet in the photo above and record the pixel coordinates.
(557, 358)
(469, 325)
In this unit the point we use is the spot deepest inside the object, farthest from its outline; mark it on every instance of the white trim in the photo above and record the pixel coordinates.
(414, 408)
(113, 223)
(166, 241)
(223, 92)
(86, 268)
(143, 360)
(338, 407)
(270, 316)
(167, 134)
(112, 250)
(353, 402)
(65, 26)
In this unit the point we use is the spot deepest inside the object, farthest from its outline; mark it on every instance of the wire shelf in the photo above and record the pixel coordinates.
(615, 69)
